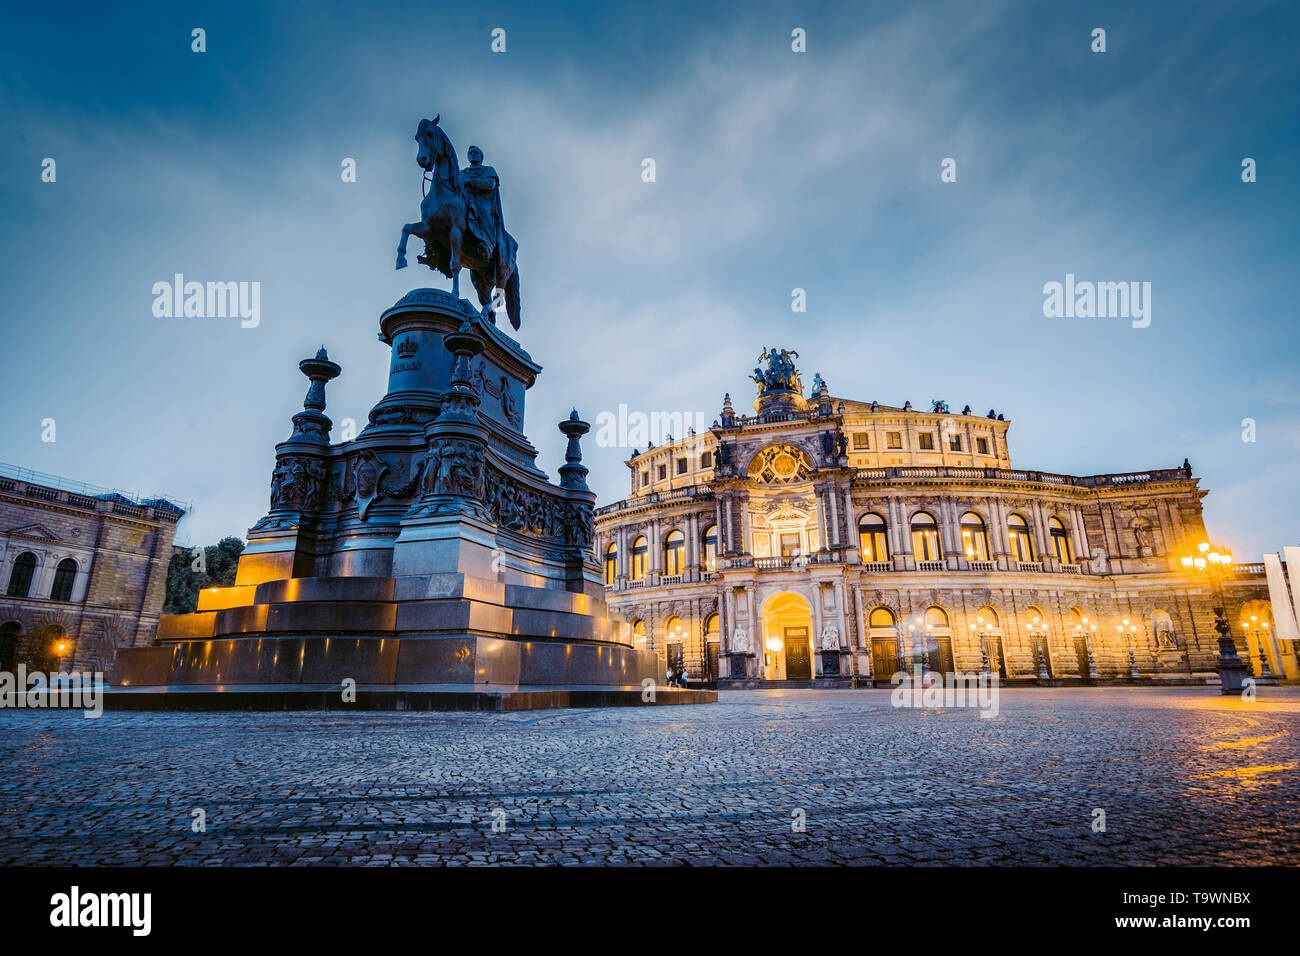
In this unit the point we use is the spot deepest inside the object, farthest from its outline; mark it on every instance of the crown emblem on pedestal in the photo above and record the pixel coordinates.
(407, 347)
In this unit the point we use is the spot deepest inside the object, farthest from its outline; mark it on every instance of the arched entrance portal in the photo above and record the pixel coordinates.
(787, 637)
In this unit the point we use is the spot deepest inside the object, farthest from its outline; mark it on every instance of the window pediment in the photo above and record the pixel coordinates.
(33, 532)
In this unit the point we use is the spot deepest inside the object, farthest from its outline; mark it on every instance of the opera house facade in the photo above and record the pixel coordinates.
(826, 541)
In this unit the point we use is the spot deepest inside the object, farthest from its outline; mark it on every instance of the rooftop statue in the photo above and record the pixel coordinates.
(461, 222)
(781, 375)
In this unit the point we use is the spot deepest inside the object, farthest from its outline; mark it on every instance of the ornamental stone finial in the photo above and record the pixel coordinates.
(462, 399)
(311, 424)
(573, 473)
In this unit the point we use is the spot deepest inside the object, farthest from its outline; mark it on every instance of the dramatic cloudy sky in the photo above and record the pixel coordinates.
(776, 170)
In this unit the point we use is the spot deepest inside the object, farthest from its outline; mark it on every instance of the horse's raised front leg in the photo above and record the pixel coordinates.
(407, 230)
(453, 240)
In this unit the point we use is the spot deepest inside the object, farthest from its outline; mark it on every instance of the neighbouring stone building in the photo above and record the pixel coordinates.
(835, 541)
(83, 569)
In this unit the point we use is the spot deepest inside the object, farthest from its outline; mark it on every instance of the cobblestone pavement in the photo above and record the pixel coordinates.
(1183, 775)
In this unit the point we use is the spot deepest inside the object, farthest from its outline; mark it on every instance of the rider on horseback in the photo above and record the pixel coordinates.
(461, 222)
(483, 195)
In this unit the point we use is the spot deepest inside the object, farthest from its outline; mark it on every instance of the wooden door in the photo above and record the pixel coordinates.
(798, 657)
(884, 658)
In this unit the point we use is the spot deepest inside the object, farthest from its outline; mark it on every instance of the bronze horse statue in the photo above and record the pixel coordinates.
(445, 226)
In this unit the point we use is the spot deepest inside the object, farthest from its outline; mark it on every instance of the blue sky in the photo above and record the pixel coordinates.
(775, 171)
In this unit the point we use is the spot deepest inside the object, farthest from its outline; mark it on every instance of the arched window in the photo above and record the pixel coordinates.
(1036, 618)
(881, 617)
(1022, 548)
(638, 635)
(1060, 540)
(711, 627)
(974, 537)
(711, 548)
(611, 563)
(987, 619)
(936, 617)
(872, 539)
(925, 537)
(639, 549)
(64, 575)
(20, 579)
(674, 553)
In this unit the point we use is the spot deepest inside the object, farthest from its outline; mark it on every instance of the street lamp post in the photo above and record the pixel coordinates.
(1215, 565)
(1038, 630)
(1085, 630)
(984, 651)
(1129, 635)
(1266, 675)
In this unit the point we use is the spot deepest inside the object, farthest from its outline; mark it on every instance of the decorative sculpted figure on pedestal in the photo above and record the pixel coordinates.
(461, 222)
(781, 373)
(739, 641)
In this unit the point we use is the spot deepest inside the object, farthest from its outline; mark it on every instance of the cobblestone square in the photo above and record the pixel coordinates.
(1183, 776)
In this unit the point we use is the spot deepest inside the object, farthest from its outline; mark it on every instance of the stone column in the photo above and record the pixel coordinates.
(834, 515)
(692, 545)
(999, 541)
(949, 532)
(744, 525)
(656, 559)
(823, 515)
(1081, 552)
(724, 529)
(898, 526)
(817, 622)
(850, 525)
(1046, 554)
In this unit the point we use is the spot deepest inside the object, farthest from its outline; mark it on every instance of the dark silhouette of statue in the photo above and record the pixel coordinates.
(461, 222)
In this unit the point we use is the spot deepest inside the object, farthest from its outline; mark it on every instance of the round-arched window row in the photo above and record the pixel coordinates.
(674, 557)
(24, 571)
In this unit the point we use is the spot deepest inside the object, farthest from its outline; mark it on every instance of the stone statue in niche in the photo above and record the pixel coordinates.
(739, 641)
(830, 637)
(1143, 535)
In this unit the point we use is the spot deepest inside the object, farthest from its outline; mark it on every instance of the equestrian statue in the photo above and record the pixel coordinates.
(461, 222)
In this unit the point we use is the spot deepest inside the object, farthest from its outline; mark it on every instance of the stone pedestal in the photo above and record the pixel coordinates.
(428, 556)
(835, 664)
(738, 667)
